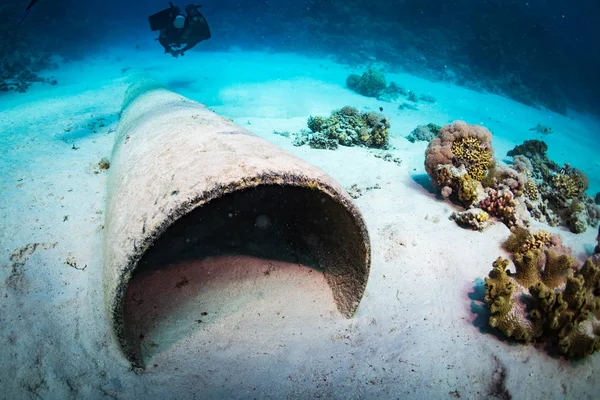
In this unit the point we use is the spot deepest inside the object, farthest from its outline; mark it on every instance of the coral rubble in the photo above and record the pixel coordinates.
(347, 127)
(473, 218)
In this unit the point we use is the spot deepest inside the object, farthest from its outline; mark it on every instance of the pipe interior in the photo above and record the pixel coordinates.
(284, 223)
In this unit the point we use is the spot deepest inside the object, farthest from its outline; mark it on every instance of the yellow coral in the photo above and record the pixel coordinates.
(469, 152)
(467, 189)
(582, 340)
(499, 288)
(569, 184)
(547, 266)
(557, 268)
(508, 313)
(482, 216)
(531, 189)
(528, 266)
(571, 314)
(315, 124)
(537, 240)
(521, 240)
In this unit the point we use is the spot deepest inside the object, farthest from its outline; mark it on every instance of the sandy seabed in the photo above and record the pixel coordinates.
(264, 329)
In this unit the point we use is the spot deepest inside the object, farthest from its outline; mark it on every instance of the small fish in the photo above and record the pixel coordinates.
(27, 10)
(544, 130)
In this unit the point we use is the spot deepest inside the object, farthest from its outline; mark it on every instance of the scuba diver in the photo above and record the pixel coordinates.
(176, 29)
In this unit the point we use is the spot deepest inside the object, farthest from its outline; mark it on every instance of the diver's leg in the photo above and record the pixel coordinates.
(162, 39)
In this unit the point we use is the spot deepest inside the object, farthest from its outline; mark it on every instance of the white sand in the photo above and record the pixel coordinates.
(420, 331)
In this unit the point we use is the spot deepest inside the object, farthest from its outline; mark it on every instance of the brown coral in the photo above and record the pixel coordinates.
(543, 265)
(474, 218)
(570, 182)
(458, 181)
(500, 176)
(468, 151)
(571, 316)
(473, 150)
(531, 190)
(522, 240)
(500, 204)
(509, 315)
(348, 127)
(548, 297)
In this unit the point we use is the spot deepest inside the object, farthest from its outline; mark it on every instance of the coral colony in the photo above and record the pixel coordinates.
(461, 165)
(551, 297)
(347, 127)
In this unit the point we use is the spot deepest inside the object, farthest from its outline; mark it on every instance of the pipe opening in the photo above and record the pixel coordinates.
(230, 242)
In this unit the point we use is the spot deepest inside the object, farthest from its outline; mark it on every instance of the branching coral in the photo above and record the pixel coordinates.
(460, 163)
(522, 240)
(572, 315)
(564, 193)
(469, 152)
(315, 124)
(500, 204)
(531, 190)
(458, 181)
(549, 297)
(508, 313)
(374, 130)
(552, 194)
(570, 182)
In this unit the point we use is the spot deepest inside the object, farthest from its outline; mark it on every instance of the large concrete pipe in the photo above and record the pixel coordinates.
(179, 169)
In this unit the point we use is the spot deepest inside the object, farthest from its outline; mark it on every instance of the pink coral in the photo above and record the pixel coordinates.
(439, 152)
(522, 165)
(501, 204)
(502, 175)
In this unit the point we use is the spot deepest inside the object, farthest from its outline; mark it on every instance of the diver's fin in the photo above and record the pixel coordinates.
(23, 16)
(26, 12)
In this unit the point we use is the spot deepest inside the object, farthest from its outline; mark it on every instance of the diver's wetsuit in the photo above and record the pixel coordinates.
(194, 31)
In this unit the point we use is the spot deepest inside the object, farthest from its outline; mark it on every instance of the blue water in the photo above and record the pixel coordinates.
(539, 52)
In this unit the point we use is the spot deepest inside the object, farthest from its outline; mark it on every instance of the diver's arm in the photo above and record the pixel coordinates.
(187, 47)
(164, 42)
